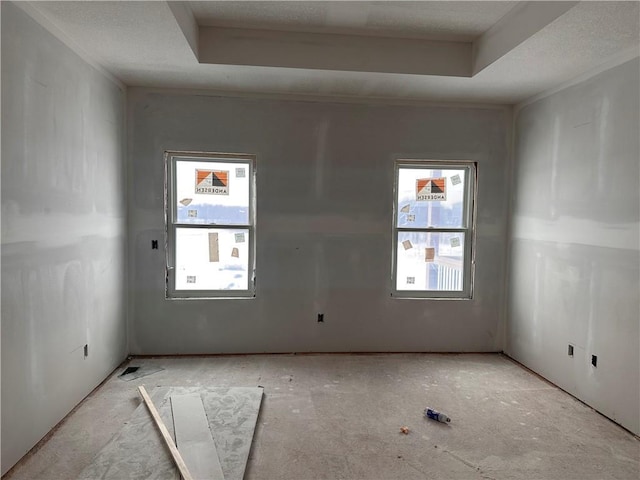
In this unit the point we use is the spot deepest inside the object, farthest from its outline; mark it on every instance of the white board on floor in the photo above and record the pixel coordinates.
(193, 437)
(137, 450)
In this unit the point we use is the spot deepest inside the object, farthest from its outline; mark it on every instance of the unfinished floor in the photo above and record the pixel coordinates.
(339, 417)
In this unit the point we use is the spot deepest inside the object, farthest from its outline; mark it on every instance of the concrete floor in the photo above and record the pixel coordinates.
(339, 417)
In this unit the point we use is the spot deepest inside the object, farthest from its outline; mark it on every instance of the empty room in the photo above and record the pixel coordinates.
(320, 240)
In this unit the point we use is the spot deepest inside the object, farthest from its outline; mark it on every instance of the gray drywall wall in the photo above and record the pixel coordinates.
(63, 231)
(324, 223)
(574, 263)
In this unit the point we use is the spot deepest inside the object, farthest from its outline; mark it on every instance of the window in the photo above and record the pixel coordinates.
(210, 217)
(433, 229)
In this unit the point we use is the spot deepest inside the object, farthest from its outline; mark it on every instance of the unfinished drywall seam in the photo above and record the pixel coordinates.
(125, 183)
(510, 139)
(510, 209)
(130, 133)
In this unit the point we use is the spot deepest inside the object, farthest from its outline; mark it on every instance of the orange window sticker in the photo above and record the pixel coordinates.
(431, 189)
(212, 182)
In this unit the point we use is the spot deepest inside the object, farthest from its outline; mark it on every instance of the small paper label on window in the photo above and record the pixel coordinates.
(407, 244)
(455, 242)
(193, 213)
(235, 252)
(239, 237)
(191, 279)
(455, 180)
(240, 173)
(411, 218)
(214, 253)
(406, 208)
(429, 254)
(186, 201)
(411, 280)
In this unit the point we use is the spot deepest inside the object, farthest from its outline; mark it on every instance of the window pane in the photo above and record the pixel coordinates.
(430, 261)
(430, 197)
(212, 192)
(212, 259)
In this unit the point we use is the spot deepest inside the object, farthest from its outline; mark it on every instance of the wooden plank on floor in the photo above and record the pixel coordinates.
(193, 437)
(180, 463)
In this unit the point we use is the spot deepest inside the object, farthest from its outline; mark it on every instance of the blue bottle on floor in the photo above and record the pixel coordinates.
(433, 415)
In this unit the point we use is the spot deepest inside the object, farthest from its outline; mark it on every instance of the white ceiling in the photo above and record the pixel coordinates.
(143, 44)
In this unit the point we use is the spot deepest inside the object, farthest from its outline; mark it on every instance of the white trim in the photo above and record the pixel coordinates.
(171, 157)
(618, 59)
(468, 229)
(48, 24)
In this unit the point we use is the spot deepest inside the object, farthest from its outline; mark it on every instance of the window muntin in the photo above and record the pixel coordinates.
(210, 215)
(433, 229)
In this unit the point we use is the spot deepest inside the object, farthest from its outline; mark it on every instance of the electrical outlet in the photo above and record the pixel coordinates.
(594, 360)
(321, 318)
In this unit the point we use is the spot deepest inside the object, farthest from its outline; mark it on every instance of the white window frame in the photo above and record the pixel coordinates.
(170, 208)
(468, 228)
